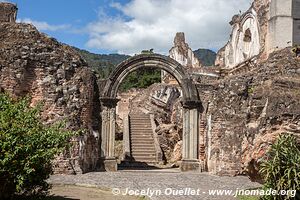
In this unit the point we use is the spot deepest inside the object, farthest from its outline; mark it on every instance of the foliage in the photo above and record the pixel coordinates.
(27, 147)
(281, 167)
(296, 50)
(103, 66)
(248, 198)
(206, 56)
(142, 78)
(250, 90)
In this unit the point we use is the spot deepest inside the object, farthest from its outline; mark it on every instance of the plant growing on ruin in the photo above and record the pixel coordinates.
(27, 147)
(296, 50)
(281, 167)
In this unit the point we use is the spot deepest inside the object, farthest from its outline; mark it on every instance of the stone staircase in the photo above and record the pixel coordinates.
(142, 144)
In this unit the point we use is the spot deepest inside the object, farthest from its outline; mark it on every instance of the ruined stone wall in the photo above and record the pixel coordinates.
(247, 38)
(32, 64)
(8, 12)
(183, 54)
(267, 26)
(244, 114)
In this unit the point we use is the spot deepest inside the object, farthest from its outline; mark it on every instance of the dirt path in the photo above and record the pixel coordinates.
(68, 192)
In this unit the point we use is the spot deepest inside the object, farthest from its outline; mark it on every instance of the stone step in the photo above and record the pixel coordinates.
(141, 139)
(140, 122)
(138, 150)
(141, 130)
(134, 140)
(140, 154)
(145, 158)
(152, 150)
(151, 160)
(145, 155)
(146, 121)
(141, 126)
(139, 115)
(140, 118)
(136, 134)
(137, 165)
(141, 135)
(148, 139)
(142, 146)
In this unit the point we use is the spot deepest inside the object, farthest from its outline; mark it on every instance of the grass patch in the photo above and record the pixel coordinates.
(248, 198)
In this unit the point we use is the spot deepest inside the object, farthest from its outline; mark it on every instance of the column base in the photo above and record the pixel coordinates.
(110, 165)
(190, 165)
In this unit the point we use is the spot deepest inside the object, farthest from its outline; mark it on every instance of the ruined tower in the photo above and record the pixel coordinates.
(183, 54)
(8, 12)
(284, 24)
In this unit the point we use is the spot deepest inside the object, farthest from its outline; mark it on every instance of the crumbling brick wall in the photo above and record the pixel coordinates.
(33, 64)
(8, 12)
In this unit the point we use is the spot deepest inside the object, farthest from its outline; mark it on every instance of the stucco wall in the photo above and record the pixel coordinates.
(280, 24)
(296, 16)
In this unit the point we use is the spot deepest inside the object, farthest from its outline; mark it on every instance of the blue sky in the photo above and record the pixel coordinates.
(75, 15)
(129, 26)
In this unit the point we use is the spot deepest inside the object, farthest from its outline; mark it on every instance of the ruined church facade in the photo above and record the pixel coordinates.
(267, 26)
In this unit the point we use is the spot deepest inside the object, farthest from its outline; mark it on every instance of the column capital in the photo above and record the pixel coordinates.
(109, 102)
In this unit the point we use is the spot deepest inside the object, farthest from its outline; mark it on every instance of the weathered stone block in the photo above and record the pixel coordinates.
(190, 165)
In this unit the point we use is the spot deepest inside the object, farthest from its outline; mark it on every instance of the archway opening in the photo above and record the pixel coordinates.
(190, 102)
(150, 119)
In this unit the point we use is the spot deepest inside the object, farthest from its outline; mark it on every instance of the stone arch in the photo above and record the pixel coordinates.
(151, 60)
(191, 104)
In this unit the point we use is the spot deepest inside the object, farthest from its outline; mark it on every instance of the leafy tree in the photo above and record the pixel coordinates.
(141, 78)
(281, 167)
(103, 65)
(27, 147)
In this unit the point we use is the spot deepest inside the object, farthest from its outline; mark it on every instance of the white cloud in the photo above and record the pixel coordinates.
(44, 26)
(154, 23)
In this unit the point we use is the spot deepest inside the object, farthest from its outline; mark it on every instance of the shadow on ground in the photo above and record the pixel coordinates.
(136, 165)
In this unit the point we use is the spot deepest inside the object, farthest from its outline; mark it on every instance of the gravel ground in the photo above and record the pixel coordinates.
(158, 183)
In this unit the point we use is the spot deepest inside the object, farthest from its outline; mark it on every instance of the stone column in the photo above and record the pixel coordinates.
(191, 112)
(108, 133)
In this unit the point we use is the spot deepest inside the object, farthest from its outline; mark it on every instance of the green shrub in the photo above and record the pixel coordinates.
(27, 148)
(281, 167)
